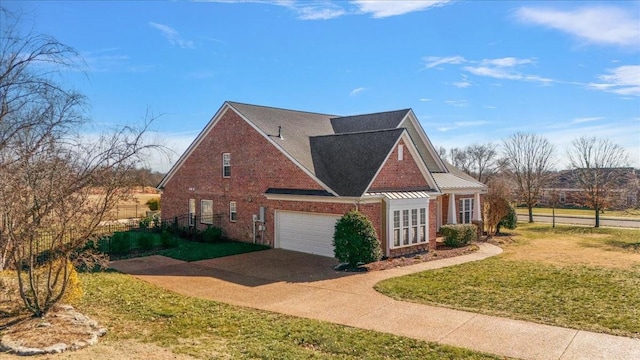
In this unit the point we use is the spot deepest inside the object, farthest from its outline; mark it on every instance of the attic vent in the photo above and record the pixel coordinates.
(280, 132)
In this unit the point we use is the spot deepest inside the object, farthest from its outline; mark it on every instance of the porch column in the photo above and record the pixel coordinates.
(477, 214)
(439, 213)
(452, 217)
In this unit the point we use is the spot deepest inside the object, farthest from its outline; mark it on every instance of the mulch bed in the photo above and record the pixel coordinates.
(441, 252)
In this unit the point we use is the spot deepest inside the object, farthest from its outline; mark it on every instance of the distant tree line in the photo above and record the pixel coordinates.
(524, 162)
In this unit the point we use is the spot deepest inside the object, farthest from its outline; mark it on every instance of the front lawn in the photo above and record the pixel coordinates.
(135, 311)
(576, 277)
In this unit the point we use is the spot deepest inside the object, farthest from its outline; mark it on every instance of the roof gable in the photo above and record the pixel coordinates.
(348, 162)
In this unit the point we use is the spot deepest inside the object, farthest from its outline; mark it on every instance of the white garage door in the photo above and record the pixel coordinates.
(305, 232)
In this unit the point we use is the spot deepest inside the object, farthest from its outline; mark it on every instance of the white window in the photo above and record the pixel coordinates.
(233, 214)
(563, 197)
(409, 227)
(396, 228)
(226, 165)
(192, 212)
(465, 211)
(423, 225)
(405, 227)
(206, 211)
(400, 152)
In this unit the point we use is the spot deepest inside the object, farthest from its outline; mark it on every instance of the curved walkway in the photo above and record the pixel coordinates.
(306, 286)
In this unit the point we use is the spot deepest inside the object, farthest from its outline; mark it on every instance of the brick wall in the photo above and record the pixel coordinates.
(255, 166)
(398, 174)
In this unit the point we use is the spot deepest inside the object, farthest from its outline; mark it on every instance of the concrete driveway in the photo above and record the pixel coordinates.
(307, 286)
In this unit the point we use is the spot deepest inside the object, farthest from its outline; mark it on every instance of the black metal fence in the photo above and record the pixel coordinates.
(121, 239)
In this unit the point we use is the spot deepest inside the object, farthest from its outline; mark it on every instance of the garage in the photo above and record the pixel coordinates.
(306, 232)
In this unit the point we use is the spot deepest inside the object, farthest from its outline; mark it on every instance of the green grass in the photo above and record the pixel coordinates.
(135, 310)
(627, 214)
(194, 251)
(588, 298)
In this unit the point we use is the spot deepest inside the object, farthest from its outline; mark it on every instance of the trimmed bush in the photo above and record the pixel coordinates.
(167, 240)
(212, 235)
(146, 241)
(355, 240)
(153, 204)
(458, 235)
(121, 243)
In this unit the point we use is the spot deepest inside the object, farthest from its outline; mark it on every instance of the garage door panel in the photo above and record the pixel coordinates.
(306, 232)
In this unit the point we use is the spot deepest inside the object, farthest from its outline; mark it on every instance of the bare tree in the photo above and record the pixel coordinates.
(528, 160)
(496, 204)
(597, 167)
(460, 159)
(483, 159)
(56, 184)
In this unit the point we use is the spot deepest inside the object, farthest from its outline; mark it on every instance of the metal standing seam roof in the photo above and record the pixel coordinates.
(449, 181)
(400, 195)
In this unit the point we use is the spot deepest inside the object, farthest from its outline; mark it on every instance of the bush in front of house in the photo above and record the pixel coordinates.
(355, 240)
(168, 240)
(121, 243)
(146, 241)
(458, 235)
(211, 235)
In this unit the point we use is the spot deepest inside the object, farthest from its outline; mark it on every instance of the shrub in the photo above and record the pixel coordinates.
(73, 291)
(458, 235)
(144, 223)
(355, 240)
(167, 240)
(510, 221)
(153, 204)
(121, 243)
(211, 234)
(145, 241)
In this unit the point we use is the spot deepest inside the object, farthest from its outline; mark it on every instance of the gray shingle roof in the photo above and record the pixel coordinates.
(297, 127)
(368, 122)
(348, 162)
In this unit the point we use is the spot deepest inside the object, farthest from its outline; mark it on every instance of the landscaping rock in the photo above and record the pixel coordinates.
(65, 322)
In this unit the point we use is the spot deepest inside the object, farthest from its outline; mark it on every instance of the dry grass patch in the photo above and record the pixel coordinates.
(571, 245)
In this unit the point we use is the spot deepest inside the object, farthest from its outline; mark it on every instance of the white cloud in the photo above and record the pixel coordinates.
(356, 91)
(623, 80)
(325, 12)
(586, 119)
(506, 68)
(605, 25)
(461, 84)
(457, 103)
(462, 124)
(433, 61)
(505, 62)
(172, 35)
(385, 8)
(424, 99)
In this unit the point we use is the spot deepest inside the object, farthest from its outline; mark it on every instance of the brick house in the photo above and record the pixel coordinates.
(564, 190)
(283, 177)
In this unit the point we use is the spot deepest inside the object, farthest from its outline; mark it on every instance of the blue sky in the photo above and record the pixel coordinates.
(472, 71)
